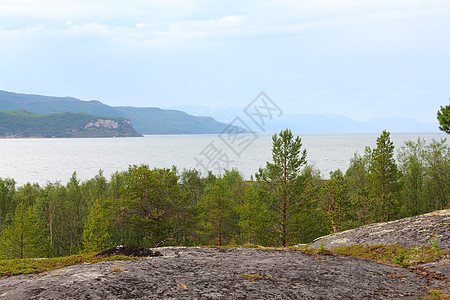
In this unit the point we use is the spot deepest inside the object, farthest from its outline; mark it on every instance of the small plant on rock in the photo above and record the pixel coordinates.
(400, 258)
(322, 247)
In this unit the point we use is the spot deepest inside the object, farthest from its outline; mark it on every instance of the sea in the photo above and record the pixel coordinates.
(50, 160)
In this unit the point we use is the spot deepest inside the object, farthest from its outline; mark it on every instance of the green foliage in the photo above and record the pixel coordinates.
(392, 254)
(400, 258)
(12, 267)
(218, 207)
(252, 216)
(25, 237)
(154, 202)
(437, 180)
(191, 182)
(52, 207)
(425, 176)
(7, 203)
(290, 203)
(282, 180)
(383, 180)
(443, 116)
(334, 201)
(412, 166)
(322, 247)
(97, 229)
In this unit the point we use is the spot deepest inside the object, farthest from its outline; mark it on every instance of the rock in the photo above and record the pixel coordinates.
(414, 231)
(130, 251)
(234, 273)
(243, 273)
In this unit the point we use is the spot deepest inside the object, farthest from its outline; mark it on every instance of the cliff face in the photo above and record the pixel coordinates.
(106, 128)
(23, 124)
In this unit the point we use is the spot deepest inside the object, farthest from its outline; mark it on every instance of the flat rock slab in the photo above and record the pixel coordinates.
(414, 231)
(210, 273)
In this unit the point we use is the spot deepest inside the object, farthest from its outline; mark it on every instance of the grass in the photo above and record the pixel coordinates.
(392, 254)
(435, 294)
(11, 267)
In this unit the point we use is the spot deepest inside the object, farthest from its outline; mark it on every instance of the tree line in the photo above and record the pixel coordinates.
(286, 203)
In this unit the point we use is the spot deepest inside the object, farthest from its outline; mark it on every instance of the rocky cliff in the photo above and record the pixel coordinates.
(23, 124)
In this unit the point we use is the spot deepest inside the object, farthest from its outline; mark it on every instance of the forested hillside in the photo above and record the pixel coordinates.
(287, 203)
(21, 123)
(146, 120)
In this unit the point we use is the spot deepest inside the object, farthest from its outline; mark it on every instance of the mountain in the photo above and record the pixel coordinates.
(403, 125)
(319, 123)
(152, 120)
(146, 120)
(22, 123)
(47, 104)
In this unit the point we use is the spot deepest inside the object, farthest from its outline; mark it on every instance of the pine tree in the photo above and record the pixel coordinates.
(26, 236)
(383, 179)
(215, 208)
(281, 179)
(443, 116)
(335, 202)
(153, 202)
(7, 203)
(97, 228)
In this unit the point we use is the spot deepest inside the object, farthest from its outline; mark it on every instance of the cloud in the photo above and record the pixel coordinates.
(182, 20)
(339, 49)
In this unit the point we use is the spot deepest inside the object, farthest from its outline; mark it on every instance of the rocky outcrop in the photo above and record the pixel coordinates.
(24, 124)
(415, 231)
(209, 273)
(106, 128)
(242, 273)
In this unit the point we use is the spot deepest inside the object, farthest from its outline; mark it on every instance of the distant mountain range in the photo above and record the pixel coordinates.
(190, 119)
(23, 124)
(318, 123)
(146, 120)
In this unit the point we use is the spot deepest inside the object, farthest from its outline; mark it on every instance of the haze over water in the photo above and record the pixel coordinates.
(50, 160)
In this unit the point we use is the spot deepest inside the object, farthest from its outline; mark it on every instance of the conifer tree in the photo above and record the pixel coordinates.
(97, 229)
(7, 204)
(443, 116)
(215, 208)
(335, 202)
(25, 237)
(153, 201)
(219, 208)
(281, 178)
(383, 179)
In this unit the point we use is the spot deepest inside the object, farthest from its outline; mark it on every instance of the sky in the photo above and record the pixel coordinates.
(363, 59)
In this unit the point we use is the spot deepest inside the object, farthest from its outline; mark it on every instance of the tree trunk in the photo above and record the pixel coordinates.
(219, 233)
(283, 224)
(21, 245)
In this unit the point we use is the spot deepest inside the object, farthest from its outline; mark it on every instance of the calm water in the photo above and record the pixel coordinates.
(43, 160)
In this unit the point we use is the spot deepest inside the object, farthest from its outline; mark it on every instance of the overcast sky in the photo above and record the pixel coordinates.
(362, 59)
